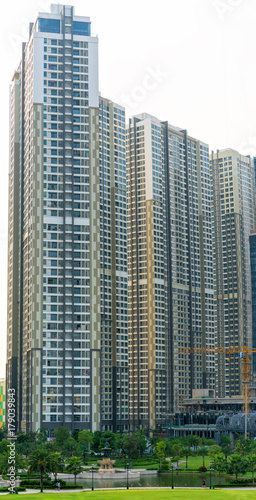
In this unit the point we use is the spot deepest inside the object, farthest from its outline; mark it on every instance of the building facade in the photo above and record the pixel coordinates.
(58, 287)
(233, 218)
(113, 254)
(170, 287)
(252, 240)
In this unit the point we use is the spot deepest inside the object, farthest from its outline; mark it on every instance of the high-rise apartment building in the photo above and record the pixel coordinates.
(113, 255)
(233, 218)
(62, 303)
(252, 240)
(170, 286)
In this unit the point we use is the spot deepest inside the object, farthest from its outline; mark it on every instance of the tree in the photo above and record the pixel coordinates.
(244, 446)
(38, 461)
(193, 441)
(20, 462)
(186, 451)
(153, 442)
(70, 447)
(55, 463)
(3, 432)
(4, 446)
(236, 464)
(142, 442)
(131, 447)
(4, 462)
(202, 451)
(74, 466)
(226, 445)
(84, 440)
(120, 443)
(213, 451)
(61, 436)
(160, 452)
(96, 442)
(207, 441)
(26, 443)
(41, 436)
(219, 463)
(251, 465)
(177, 449)
(110, 437)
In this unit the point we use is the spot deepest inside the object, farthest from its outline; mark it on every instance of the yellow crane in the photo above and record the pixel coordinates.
(244, 353)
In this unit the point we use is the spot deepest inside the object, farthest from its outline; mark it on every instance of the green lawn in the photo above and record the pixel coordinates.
(146, 495)
(195, 462)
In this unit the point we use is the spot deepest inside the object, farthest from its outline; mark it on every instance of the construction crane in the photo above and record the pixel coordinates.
(244, 353)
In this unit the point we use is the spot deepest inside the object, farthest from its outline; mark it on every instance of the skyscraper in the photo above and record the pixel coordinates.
(170, 287)
(113, 253)
(233, 218)
(60, 292)
(252, 240)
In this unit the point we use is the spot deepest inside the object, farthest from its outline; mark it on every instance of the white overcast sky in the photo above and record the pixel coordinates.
(191, 62)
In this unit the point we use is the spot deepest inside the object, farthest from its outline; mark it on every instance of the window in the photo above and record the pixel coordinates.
(83, 29)
(49, 25)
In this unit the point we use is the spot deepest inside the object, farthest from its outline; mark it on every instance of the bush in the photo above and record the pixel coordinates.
(165, 467)
(245, 485)
(241, 481)
(47, 483)
(6, 488)
(202, 468)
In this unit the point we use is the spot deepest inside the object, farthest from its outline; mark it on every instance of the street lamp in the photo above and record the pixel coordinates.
(172, 477)
(127, 478)
(92, 469)
(210, 476)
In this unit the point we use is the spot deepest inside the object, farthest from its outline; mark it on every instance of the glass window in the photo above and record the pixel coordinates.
(49, 25)
(81, 28)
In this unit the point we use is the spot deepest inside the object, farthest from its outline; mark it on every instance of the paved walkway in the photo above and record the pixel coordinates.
(133, 488)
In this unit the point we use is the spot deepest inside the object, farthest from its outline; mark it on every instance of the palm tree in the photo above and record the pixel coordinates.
(74, 466)
(194, 441)
(237, 464)
(55, 463)
(38, 461)
(251, 461)
(186, 451)
(219, 464)
(160, 452)
(84, 439)
(70, 447)
(4, 462)
(202, 451)
(177, 450)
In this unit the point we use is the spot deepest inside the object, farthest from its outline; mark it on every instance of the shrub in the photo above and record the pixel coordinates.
(202, 468)
(6, 488)
(165, 467)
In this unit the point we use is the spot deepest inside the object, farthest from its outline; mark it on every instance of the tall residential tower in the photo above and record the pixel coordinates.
(62, 307)
(170, 288)
(233, 218)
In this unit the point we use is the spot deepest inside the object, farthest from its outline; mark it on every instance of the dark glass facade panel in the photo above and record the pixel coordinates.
(83, 29)
(48, 25)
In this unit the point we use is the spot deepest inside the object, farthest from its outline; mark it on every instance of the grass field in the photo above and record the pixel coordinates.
(195, 462)
(146, 495)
